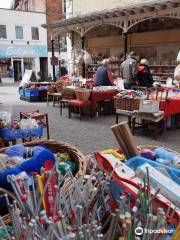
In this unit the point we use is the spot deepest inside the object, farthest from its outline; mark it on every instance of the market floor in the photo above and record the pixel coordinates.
(89, 135)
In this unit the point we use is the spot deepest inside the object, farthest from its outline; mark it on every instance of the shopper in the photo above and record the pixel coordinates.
(63, 69)
(144, 77)
(128, 70)
(177, 70)
(104, 74)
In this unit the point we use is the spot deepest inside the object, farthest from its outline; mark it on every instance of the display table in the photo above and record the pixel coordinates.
(170, 107)
(98, 96)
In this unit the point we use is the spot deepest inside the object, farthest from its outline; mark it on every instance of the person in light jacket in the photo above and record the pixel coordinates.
(128, 70)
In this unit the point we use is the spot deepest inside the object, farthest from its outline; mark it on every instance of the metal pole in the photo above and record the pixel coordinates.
(82, 47)
(59, 47)
(54, 71)
(125, 35)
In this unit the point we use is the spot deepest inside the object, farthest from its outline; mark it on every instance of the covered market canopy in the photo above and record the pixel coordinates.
(128, 14)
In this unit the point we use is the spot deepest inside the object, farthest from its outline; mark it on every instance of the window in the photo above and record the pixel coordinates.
(3, 33)
(35, 33)
(19, 32)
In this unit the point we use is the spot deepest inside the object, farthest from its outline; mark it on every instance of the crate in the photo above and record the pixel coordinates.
(149, 106)
(21, 92)
(126, 103)
(8, 134)
(30, 99)
(31, 93)
(82, 94)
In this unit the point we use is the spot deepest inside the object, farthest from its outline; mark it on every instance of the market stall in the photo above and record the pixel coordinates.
(116, 194)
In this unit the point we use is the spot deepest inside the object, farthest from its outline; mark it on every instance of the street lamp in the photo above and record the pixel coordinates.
(53, 65)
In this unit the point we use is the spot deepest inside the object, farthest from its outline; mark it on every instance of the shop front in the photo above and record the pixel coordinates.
(14, 60)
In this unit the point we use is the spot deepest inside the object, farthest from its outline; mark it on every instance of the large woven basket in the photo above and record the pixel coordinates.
(54, 146)
(58, 146)
(83, 94)
(126, 103)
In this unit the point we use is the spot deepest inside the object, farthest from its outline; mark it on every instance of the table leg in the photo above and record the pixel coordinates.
(69, 111)
(117, 118)
(47, 126)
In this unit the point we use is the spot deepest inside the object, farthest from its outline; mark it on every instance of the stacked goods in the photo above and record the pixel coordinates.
(128, 99)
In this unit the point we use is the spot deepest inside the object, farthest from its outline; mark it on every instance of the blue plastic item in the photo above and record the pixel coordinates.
(21, 92)
(164, 154)
(32, 165)
(136, 162)
(9, 134)
(31, 93)
(15, 150)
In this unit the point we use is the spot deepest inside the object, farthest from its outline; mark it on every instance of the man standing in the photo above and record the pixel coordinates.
(128, 70)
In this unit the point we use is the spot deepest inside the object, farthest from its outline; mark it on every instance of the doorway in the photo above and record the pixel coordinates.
(17, 70)
(44, 68)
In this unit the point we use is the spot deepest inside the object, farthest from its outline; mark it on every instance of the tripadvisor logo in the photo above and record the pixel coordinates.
(139, 231)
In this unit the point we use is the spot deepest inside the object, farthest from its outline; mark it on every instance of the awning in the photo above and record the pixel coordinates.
(122, 17)
(10, 51)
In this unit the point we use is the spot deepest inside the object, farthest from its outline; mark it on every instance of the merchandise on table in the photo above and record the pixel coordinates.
(24, 129)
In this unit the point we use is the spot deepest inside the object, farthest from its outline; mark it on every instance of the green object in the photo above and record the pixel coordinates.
(63, 157)
(68, 165)
(3, 235)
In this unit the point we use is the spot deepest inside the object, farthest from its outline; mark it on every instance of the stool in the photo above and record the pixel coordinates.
(41, 118)
(80, 104)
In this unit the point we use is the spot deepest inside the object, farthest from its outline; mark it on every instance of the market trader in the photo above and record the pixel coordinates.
(104, 74)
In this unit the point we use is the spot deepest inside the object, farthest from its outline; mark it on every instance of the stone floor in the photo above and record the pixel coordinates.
(88, 135)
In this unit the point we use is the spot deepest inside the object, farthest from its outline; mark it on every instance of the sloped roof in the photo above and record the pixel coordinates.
(126, 8)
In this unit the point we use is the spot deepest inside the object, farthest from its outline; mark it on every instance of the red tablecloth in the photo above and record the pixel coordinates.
(101, 96)
(171, 107)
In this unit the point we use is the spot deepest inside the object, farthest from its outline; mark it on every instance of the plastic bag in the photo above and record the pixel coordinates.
(28, 123)
(87, 58)
(80, 59)
(6, 113)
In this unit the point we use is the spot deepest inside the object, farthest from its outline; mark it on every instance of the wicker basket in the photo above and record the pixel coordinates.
(59, 86)
(7, 218)
(126, 104)
(51, 89)
(57, 146)
(82, 94)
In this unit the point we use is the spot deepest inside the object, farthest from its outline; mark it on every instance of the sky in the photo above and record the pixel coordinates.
(5, 3)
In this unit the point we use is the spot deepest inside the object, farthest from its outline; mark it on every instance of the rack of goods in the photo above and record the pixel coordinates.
(162, 72)
(114, 66)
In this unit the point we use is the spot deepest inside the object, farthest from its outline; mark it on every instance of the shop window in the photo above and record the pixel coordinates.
(35, 33)
(3, 33)
(19, 32)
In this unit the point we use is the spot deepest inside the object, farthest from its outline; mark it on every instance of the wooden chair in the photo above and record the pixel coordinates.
(41, 118)
(52, 94)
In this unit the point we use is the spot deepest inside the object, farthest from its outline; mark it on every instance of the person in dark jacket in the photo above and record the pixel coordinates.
(144, 76)
(104, 75)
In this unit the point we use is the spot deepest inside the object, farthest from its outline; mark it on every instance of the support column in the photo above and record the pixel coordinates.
(83, 47)
(54, 70)
(59, 48)
(125, 35)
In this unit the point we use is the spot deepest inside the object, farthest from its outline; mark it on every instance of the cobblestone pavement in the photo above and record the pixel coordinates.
(88, 135)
